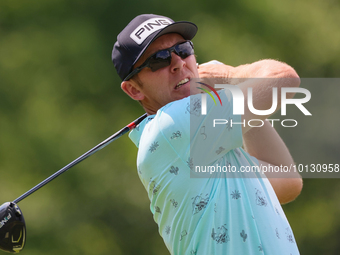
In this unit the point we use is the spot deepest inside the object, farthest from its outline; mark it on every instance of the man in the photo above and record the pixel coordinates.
(155, 59)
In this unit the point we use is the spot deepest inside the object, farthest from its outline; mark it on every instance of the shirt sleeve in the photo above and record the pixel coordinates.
(216, 133)
(201, 139)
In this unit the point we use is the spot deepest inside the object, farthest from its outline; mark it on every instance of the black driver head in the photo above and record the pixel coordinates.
(12, 228)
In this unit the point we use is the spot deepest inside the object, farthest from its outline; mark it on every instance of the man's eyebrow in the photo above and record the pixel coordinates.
(166, 48)
(153, 52)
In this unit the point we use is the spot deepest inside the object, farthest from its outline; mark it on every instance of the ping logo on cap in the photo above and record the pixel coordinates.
(147, 28)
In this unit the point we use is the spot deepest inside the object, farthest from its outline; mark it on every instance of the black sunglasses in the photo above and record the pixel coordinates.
(162, 58)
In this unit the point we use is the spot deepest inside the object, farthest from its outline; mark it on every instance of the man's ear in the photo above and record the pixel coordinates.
(132, 89)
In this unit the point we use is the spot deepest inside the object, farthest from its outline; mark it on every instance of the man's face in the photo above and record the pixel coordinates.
(162, 86)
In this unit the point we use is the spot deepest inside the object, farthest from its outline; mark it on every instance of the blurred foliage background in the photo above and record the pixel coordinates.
(60, 96)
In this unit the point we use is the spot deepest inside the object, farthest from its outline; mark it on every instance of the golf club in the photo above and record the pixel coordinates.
(12, 223)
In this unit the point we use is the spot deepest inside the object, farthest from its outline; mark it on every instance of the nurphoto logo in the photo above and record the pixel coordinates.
(238, 104)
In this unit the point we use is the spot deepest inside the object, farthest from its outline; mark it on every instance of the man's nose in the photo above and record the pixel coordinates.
(177, 62)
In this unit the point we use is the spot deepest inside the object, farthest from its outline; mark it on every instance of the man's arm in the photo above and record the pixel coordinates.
(264, 143)
(275, 74)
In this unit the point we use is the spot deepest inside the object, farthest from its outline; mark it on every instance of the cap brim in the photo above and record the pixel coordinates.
(185, 28)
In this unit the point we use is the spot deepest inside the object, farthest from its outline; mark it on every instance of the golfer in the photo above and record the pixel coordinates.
(201, 215)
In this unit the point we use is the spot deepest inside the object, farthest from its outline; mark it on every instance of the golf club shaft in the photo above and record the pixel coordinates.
(82, 157)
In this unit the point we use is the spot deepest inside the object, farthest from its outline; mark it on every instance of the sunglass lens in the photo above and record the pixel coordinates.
(184, 50)
(160, 60)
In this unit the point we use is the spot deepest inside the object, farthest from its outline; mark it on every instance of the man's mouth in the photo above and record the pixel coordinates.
(181, 83)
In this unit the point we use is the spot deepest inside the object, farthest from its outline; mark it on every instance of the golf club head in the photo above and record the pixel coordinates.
(12, 228)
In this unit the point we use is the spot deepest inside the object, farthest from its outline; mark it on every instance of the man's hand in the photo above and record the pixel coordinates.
(214, 71)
